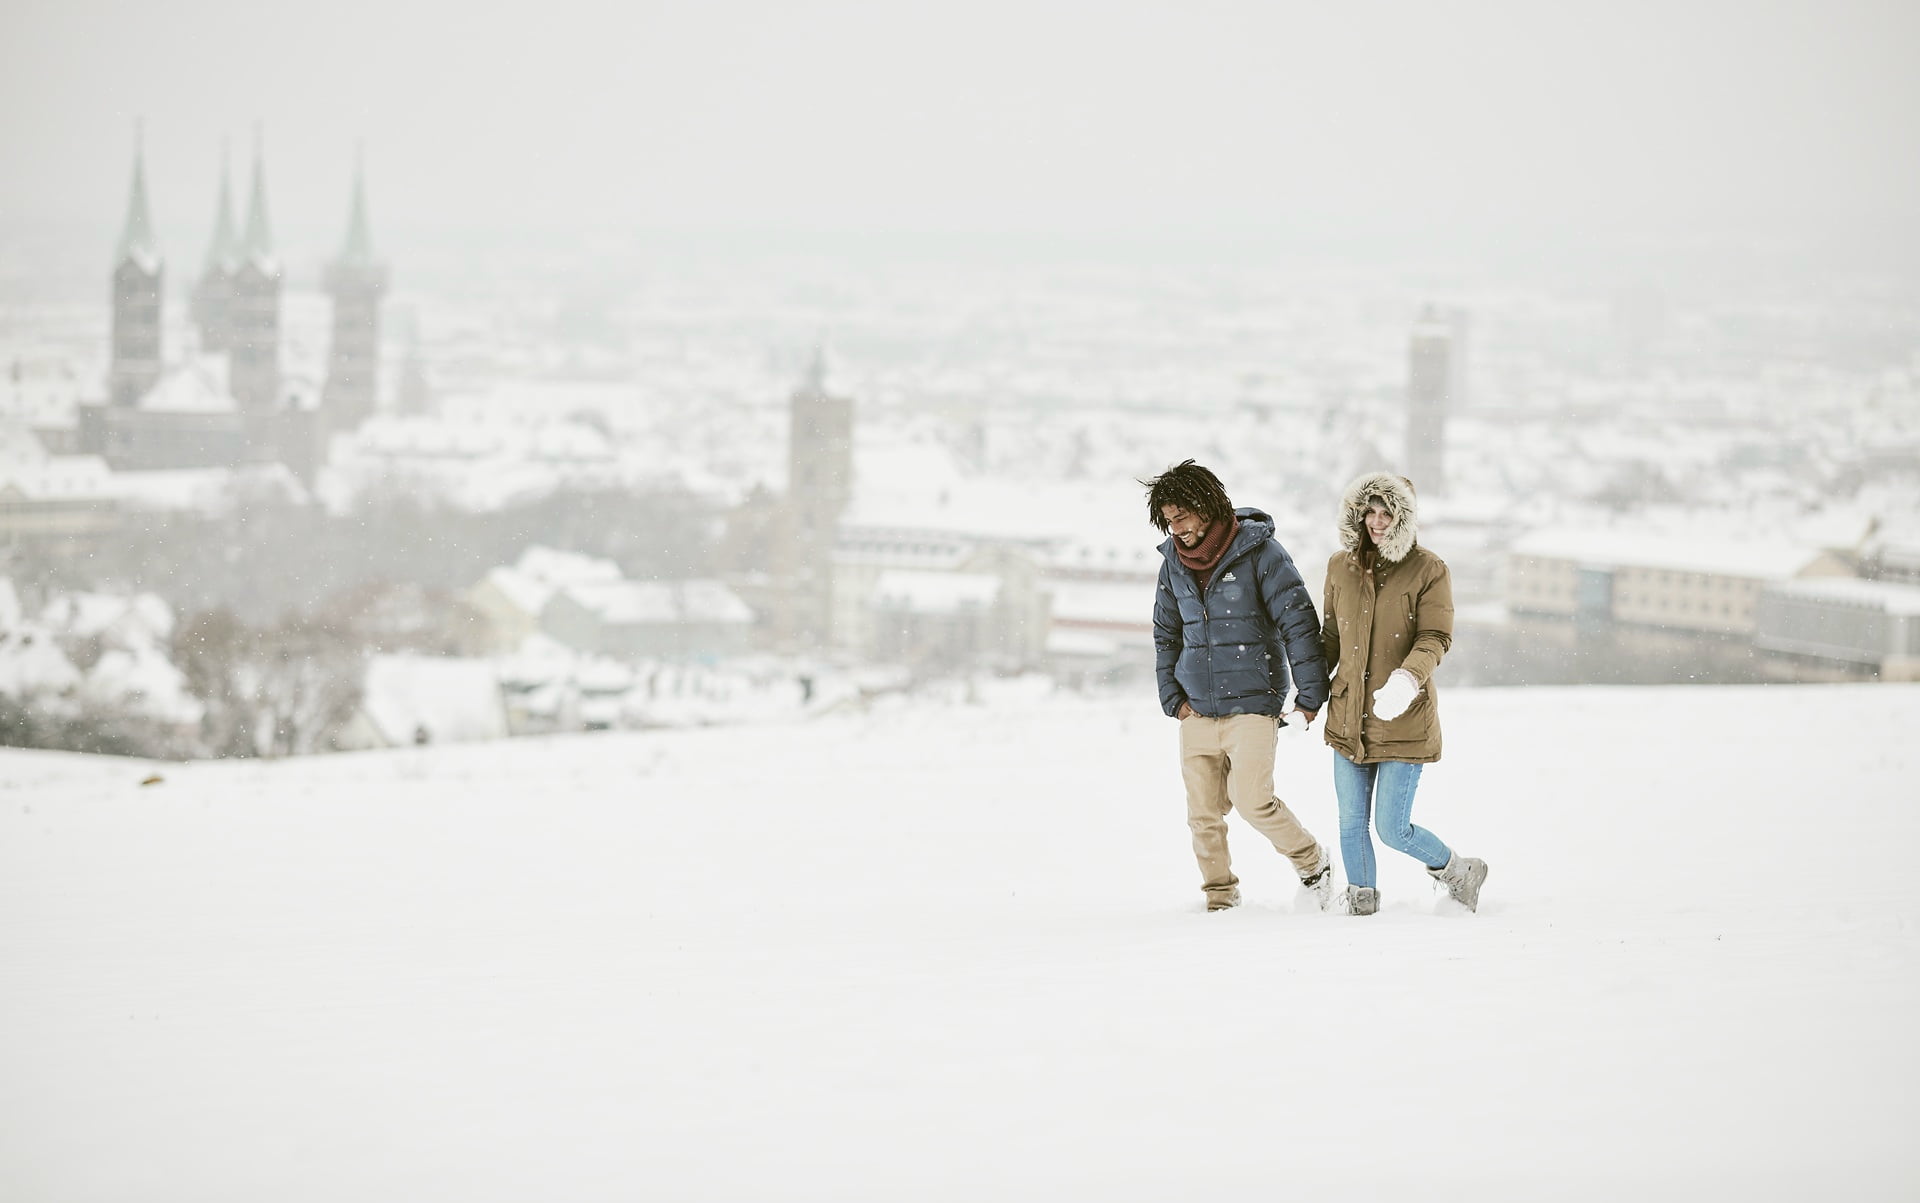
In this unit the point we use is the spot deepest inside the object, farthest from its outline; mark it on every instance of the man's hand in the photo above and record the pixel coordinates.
(1185, 711)
(1391, 700)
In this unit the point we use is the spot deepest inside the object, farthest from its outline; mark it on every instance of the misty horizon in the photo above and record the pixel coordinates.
(1383, 129)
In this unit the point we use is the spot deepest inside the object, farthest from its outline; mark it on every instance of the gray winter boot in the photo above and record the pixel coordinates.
(1319, 879)
(1360, 900)
(1462, 877)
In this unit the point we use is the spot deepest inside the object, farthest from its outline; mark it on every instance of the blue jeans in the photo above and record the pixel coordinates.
(1388, 786)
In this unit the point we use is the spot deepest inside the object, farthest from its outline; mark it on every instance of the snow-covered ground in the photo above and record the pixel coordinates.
(939, 952)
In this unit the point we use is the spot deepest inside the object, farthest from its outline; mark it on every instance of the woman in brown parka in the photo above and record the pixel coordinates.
(1388, 621)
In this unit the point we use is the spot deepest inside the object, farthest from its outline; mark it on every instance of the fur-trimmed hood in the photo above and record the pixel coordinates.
(1397, 492)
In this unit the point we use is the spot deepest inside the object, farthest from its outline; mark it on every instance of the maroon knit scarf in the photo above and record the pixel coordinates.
(1204, 558)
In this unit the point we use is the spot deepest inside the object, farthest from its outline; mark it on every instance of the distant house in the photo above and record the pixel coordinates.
(1706, 583)
(512, 600)
(604, 686)
(553, 608)
(477, 457)
(650, 620)
(1100, 606)
(65, 501)
(538, 689)
(1892, 560)
(1869, 626)
(140, 620)
(924, 596)
(510, 603)
(933, 618)
(40, 390)
(410, 699)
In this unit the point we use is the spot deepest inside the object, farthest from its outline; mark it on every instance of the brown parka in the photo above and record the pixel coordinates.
(1399, 615)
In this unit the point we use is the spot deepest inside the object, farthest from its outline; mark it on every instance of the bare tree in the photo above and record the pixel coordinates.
(309, 680)
(273, 691)
(212, 650)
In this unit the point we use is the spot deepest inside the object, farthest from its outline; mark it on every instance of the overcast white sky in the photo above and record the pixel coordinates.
(1672, 118)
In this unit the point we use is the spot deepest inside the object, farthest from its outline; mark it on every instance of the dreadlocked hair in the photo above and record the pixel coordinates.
(1192, 488)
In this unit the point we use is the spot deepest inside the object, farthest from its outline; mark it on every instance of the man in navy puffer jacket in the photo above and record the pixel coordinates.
(1230, 616)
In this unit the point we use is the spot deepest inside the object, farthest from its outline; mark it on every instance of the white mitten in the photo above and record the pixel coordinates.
(1391, 700)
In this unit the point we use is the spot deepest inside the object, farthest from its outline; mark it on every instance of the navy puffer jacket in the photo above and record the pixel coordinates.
(1227, 651)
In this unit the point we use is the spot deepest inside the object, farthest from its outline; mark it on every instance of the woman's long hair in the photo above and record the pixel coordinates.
(1364, 551)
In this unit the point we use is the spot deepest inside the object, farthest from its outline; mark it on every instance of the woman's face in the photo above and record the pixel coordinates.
(1379, 521)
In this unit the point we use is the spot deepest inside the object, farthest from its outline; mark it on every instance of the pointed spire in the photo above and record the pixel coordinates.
(136, 237)
(225, 247)
(259, 238)
(358, 251)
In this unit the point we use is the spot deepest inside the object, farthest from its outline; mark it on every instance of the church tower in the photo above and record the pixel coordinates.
(213, 293)
(137, 277)
(1430, 382)
(254, 313)
(357, 282)
(819, 488)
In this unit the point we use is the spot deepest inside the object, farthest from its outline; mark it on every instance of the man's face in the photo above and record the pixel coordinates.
(1184, 525)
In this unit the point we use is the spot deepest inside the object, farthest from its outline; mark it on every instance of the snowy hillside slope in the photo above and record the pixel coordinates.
(957, 953)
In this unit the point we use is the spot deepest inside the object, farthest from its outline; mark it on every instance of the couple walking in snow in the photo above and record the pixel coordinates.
(1231, 615)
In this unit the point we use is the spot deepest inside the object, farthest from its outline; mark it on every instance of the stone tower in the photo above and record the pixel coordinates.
(254, 312)
(138, 273)
(1430, 381)
(819, 487)
(357, 281)
(213, 292)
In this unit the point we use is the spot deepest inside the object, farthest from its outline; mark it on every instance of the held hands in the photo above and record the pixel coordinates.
(1303, 717)
(1391, 700)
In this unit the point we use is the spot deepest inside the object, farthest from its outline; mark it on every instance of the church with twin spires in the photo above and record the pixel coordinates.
(225, 401)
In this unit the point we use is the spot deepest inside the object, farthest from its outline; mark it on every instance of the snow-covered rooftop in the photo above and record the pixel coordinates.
(144, 616)
(555, 567)
(60, 478)
(641, 603)
(526, 591)
(207, 490)
(200, 385)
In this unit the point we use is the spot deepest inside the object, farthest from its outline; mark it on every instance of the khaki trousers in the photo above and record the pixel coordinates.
(1227, 764)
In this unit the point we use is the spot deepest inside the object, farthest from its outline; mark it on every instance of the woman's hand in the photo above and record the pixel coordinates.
(1391, 700)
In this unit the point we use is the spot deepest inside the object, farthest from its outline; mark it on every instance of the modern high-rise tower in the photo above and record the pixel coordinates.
(138, 274)
(1430, 382)
(213, 292)
(357, 281)
(254, 313)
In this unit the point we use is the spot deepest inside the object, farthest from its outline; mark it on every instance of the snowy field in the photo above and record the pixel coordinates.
(958, 953)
